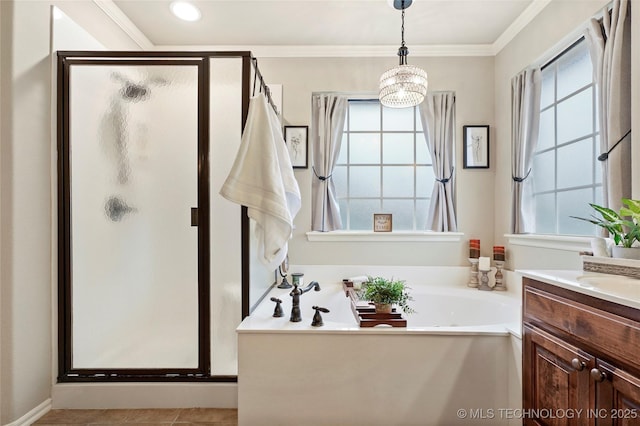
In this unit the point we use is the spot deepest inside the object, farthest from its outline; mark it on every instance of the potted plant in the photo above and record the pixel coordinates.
(384, 293)
(624, 227)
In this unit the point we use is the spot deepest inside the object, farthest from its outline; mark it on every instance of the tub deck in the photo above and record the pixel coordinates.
(340, 319)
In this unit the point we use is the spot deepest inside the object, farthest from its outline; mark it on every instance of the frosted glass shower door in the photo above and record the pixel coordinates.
(133, 165)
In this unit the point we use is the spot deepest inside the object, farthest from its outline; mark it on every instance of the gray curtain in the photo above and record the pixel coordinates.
(610, 48)
(438, 116)
(327, 124)
(525, 125)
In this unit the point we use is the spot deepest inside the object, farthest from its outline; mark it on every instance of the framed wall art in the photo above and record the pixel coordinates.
(297, 140)
(476, 147)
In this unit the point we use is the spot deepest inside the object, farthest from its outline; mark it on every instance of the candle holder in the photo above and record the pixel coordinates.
(484, 281)
(499, 277)
(473, 281)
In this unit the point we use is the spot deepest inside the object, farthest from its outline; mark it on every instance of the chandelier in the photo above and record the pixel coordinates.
(405, 85)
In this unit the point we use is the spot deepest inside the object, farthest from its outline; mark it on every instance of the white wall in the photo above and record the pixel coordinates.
(26, 211)
(551, 31)
(472, 80)
(25, 207)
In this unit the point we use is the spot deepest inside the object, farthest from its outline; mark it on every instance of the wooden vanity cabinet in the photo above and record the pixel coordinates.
(553, 375)
(619, 393)
(581, 358)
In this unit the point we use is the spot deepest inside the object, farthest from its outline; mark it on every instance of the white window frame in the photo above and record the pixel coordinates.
(381, 164)
(348, 235)
(552, 66)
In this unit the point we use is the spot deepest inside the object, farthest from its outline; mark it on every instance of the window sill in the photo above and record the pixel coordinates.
(396, 236)
(556, 242)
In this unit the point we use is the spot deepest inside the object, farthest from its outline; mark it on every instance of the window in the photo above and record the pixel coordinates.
(383, 167)
(566, 174)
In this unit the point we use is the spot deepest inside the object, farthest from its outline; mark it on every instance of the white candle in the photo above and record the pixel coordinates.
(484, 264)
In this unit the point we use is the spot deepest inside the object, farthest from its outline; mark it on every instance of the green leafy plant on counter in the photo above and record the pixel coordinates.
(624, 226)
(388, 291)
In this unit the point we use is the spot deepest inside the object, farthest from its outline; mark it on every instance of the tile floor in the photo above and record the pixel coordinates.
(177, 416)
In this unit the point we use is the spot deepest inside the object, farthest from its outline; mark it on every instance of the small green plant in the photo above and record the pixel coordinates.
(624, 226)
(385, 291)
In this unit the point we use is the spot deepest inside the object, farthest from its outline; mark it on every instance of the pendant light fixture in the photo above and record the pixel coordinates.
(405, 85)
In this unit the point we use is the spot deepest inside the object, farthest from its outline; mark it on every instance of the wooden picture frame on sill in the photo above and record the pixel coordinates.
(297, 140)
(382, 222)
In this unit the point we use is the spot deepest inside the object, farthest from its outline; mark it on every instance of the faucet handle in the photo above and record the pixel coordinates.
(277, 312)
(317, 318)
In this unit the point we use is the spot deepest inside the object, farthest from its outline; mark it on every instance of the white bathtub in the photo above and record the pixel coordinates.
(448, 306)
(457, 352)
(439, 308)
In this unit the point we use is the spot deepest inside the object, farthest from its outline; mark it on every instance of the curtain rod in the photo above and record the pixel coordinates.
(561, 54)
(577, 35)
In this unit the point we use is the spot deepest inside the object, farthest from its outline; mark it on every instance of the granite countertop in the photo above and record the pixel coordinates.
(613, 288)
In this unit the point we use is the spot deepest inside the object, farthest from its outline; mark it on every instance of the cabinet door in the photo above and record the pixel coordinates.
(556, 380)
(618, 396)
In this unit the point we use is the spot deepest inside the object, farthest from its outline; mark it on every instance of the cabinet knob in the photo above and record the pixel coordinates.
(598, 376)
(577, 364)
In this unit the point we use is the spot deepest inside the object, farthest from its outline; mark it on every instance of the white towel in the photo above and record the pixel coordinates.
(262, 179)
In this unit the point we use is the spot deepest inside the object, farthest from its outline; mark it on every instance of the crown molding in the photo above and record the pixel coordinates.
(121, 20)
(291, 51)
(518, 25)
(325, 51)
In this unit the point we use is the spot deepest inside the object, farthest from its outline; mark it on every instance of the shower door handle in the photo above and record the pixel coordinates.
(194, 216)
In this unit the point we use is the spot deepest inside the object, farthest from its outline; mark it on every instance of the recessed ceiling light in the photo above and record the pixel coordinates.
(185, 10)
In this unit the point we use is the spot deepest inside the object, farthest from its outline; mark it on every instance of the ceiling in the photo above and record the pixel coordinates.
(326, 23)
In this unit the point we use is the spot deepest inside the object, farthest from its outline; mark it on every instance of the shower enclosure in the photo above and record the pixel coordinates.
(154, 266)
